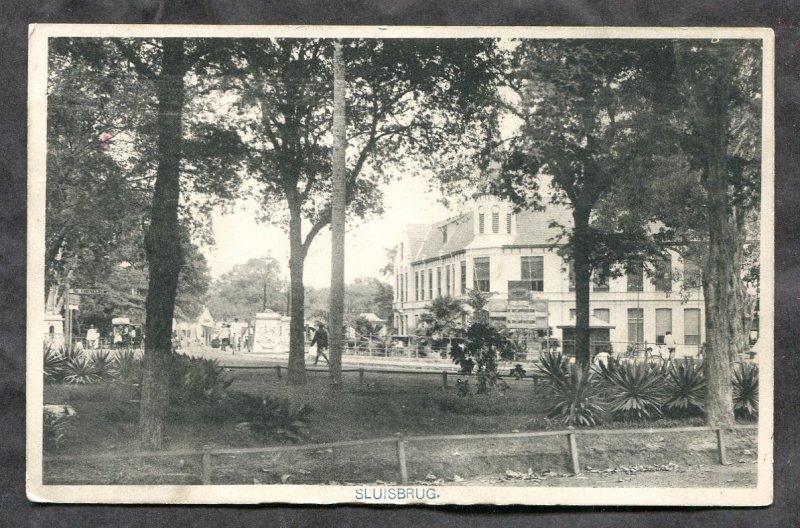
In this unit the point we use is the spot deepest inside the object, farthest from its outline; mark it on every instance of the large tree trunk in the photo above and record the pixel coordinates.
(162, 243)
(723, 288)
(338, 202)
(297, 255)
(583, 275)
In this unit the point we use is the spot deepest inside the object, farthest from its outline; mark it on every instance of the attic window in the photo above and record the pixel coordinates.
(444, 234)
(508, 223)
(495, 219)
(480, 220)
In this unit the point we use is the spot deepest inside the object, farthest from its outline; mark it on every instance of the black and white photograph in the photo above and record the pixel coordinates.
(400, 265)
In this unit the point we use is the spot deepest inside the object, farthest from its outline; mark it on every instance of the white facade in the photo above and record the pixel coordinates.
(512, 242)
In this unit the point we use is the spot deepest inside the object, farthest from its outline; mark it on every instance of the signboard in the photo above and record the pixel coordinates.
(519, 291)
(88, 291)
(529, 314)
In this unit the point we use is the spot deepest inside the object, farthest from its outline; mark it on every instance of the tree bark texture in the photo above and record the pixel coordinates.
(338, 203)
(296, 374)
(583, 276)
(724, 290)
(162, 243)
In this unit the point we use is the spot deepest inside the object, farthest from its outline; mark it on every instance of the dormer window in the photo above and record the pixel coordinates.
(444, 234)
(508, 223)
(480, 220)
(495, 219)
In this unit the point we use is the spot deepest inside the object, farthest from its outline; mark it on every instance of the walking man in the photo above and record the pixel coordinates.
(321, 340)
(669, 342)
(92, 337)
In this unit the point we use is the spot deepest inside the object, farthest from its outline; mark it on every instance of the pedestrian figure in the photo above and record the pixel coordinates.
(321, 340)
(92, 337)
(225, 337)
(669, 342)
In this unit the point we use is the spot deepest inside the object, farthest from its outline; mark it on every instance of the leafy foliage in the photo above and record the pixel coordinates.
(274, 418)
(194, 379)
(53, 365)
(79, 371)
(462, 388)
(484, 344)
(634, 389)
(54, 429)
(127, 367)
(745, 390)
(573, 395)
(442, 316)
(685, 388)
(102, 364)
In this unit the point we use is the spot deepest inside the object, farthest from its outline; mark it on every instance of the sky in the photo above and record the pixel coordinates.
(407, 199)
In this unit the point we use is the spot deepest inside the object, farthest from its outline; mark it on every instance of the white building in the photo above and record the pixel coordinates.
(492, 249)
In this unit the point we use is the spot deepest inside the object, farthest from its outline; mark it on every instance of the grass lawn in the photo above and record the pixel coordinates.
(385, 404)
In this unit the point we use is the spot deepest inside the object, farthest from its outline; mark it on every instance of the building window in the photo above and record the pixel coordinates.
(508, 223)
(571, 273)
(532, 271)
(604, 314)
(635, 325)
(481, 274)
(663, 324)
(444, 234)
(407, 288)
(447, 274)
(416, 285)
(397, 287)
(663, 274)
(422, 285)
(430, 283)
(463, 277)
(635, 274)
(400, 286)
(495, 219)
(439, 281)
(691, 326)
(480, 220)
(600, 279)
(572, 313)
(692, 277)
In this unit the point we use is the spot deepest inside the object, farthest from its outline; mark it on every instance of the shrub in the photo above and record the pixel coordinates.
(102, 364)
(197, 379)
(462, 388)
(634, 389)
(518, 372)
(572, 393)
(79, 371)
(467, 366)
(745, 390)
(55, 426)
(127, 367)
(484, 343)
(53, 366)
(274, 417)
(685, 388)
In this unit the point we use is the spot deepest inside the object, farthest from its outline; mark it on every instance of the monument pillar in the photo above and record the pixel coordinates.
(267, 334)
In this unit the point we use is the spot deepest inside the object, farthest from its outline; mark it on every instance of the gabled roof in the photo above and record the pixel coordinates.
(533, 229)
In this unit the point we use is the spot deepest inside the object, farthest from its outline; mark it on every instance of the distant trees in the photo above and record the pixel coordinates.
(242, 291)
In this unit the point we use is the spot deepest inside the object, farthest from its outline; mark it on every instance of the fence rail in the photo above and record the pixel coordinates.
(400, 441)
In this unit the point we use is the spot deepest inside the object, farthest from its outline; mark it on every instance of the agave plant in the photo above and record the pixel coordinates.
(197, 379)
(745, 390)
(127, 367)
(685, 388)
(53, 366)
(79, 371)
(552, 369)
(102, 363)
(634, 389)
(574, 396)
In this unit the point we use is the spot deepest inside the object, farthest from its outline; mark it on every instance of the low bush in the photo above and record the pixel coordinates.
(197, 379)
(745, 390)
(274, 418)
(53, 366)
(462, 388)
(102, 364)
(572, 392)
(127, 367)
(685, 389)
(518, 372)
(55, 427)
(79, 371)
(634, 390)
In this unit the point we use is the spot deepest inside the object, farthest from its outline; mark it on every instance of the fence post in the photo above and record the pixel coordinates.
(278, 371)
(361, 375)
(206, 465)
(721, 448)
(444, 379)
(573, 452)
(401, 458)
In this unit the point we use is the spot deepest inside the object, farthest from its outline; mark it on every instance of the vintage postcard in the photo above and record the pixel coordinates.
(403, 265)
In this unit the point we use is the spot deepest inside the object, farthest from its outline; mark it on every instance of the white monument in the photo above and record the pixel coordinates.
(268, 329)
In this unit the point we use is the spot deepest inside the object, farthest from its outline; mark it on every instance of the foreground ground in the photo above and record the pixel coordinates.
(381, 406)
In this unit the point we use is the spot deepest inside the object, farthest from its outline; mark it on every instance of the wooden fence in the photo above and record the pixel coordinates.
(401, 440)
